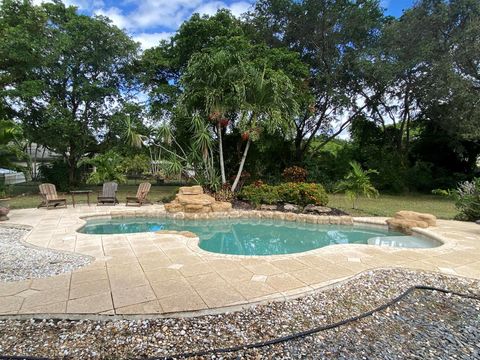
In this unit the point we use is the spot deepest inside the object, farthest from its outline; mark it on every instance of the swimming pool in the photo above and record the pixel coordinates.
(260, 236)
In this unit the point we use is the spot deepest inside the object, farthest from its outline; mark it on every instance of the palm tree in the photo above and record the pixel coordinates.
(268, 103)
(357, 183)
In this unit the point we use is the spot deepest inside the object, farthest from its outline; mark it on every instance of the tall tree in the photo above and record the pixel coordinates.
(81, 80)
(331, 37)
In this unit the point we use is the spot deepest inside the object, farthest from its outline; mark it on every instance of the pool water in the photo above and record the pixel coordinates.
(259, 236)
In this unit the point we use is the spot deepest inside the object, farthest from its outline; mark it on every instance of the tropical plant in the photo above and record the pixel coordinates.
(106, 167)
(268, 104)
(467, 200)
(10, 133)
(357, 183)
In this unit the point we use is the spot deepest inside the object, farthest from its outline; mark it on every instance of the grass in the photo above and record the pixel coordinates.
(26, 196)
(388, 205)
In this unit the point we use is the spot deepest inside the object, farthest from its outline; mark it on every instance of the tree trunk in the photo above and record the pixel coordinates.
(298, 146)
(242, 162)
(220, 151)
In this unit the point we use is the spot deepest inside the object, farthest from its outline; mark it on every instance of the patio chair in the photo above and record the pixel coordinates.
(108, 195)
(141, 197)
(48, 192)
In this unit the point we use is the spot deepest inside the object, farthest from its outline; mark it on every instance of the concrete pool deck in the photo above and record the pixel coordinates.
(148, 273)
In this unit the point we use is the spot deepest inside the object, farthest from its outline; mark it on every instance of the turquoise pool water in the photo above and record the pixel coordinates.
(259, 237)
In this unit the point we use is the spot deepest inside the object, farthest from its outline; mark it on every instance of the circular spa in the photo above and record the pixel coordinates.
(260, 236)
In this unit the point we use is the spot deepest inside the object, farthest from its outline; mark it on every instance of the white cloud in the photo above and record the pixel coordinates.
(149, 21)
(86, 5)
(148, 40)
(115, 14)
(238, 8)
(166, 14)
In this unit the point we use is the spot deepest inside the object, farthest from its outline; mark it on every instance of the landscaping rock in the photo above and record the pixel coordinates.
(192, 200)
(268, 207)
(21, 261)
(404, 221)
(291, 207)
(190, 190)
(3, 213)
(221, 206)
(316, 209)
(201, 199)
(430, 219)
(405, 226)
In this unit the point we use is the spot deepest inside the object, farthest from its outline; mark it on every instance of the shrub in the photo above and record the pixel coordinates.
(107, 167)
(303, 193)
(295, 174)
(467, 198)
(261, 194)
(225, 193)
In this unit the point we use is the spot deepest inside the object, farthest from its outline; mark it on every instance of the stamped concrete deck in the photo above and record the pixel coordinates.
(149, 273)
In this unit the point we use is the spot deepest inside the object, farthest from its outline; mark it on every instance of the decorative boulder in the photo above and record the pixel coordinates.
(405, 226)
(268, 207)
(291, 208)
(404, 221)
(3, 213)
(191, 199)
(316, 209)
(190, 190)
(430, 219)
(221, 206)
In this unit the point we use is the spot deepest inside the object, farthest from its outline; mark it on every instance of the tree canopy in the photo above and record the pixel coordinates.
(231, 97)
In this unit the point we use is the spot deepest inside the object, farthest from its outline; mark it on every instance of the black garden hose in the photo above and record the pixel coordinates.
(286, 338)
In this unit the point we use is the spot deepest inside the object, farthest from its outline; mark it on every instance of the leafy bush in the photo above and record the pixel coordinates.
(467, 198)
(55, 173)
(295, 174)
(261, 194)
(136, 165)
(107, 167)
(296, 193)
(303, 193)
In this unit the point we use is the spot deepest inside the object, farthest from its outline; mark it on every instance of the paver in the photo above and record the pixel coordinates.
(156, 273)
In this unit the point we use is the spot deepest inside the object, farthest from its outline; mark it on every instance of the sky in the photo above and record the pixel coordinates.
(149, 21)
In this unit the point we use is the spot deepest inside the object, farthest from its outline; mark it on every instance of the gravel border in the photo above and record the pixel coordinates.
(379, 336)
(21, 261)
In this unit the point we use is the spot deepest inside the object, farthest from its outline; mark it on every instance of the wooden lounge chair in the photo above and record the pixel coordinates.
(48, 192)
(141, 197)
(108, 195)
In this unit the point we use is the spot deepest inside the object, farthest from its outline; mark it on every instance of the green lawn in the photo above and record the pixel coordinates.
(26, 195)
(387, 205)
